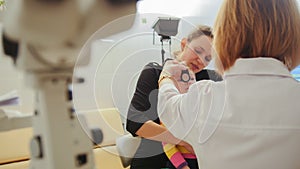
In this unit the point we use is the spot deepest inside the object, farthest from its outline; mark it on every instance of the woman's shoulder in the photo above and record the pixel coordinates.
(207, 74)
(150, 73)
(153, 65)
(153, 68)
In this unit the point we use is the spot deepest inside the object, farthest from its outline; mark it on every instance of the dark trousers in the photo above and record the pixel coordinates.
(155, 162)
(193, 164)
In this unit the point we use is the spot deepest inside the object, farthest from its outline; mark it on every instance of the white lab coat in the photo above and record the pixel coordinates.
(250, 120)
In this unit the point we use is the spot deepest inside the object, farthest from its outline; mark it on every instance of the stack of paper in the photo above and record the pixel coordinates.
(9, 99)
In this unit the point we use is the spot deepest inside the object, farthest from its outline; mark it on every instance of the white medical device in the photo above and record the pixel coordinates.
(44, 37)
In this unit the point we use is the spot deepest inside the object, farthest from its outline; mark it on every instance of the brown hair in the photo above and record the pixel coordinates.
(197, 32)
(257, 28)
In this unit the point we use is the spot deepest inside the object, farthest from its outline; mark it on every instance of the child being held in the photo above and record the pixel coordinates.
(178, 155)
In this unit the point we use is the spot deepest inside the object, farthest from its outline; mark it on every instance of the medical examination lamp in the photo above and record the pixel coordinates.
(165, 27)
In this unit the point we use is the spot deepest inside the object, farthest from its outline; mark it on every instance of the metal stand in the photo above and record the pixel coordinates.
(59, 142)
(162, 39)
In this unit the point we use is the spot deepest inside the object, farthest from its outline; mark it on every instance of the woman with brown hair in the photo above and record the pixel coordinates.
(142, 118)
(252, 118)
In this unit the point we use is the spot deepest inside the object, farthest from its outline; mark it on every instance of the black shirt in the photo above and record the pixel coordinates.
(143, 107)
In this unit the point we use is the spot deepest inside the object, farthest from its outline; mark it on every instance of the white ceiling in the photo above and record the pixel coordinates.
(181, 8)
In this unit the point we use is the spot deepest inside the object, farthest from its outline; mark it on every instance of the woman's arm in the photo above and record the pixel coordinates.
(177, 111)
(154, 131)
(142, 118)
(143, 105)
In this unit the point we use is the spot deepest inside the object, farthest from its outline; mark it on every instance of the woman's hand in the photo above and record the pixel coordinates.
(179, 73)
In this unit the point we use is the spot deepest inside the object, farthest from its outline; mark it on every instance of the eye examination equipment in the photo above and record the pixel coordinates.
(44, 38)
(165, 27)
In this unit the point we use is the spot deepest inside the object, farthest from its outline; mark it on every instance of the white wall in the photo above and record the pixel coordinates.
(117, 61)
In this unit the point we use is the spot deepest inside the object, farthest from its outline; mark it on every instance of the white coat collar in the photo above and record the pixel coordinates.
(258, 66)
